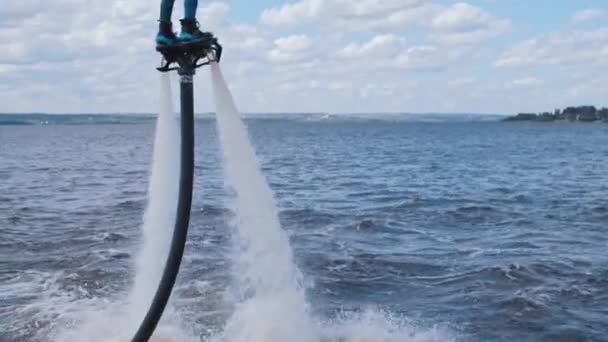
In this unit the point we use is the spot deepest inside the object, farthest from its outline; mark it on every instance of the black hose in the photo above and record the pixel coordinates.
(182, 220)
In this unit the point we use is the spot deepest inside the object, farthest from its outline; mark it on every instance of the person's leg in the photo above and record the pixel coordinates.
(190, 9)
(190, 31)
(166, 9)
(165, 34)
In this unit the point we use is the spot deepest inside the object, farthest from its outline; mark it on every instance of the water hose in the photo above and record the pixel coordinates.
(187, 57)
(182, 219)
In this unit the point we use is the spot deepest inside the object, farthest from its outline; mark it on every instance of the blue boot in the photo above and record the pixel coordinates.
(191, 33)
(166, 36)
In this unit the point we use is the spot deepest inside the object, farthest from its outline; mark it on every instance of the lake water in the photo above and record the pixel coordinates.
(421, 231)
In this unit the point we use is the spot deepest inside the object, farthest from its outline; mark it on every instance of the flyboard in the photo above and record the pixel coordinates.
(185, 58)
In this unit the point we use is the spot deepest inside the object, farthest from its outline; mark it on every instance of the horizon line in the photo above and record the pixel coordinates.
(259, 113)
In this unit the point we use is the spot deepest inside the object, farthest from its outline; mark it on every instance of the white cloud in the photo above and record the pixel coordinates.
(294, 43)
(7, 68)
(587, 15)
(378, 90)
(414, 14)
(420, 57)
(292, 13)
(461, 17)
(526, 82)
(351, 15)
(464, 24)
(66, 30)
(339, 86)
(291, 49)
(582, 48)
(461, 82)
(367, 55)
(389, 52)
(385, 45)
(458, 24)
(213, 16)
(13, 52)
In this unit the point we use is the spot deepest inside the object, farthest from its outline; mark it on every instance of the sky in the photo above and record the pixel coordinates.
(336, 56)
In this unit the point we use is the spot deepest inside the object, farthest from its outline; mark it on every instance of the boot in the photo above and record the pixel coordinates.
(166, 36)
(191, 33)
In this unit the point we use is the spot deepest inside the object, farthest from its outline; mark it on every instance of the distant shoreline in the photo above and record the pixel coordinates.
(569, 114)
(87, 119)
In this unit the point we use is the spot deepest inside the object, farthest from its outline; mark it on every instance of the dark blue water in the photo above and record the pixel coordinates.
(490, 231)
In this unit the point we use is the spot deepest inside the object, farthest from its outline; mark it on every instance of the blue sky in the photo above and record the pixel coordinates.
(481, 56)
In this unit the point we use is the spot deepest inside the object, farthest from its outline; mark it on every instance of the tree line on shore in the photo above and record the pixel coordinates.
(580, 113)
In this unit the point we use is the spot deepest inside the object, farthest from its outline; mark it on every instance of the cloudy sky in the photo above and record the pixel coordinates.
(481, 56)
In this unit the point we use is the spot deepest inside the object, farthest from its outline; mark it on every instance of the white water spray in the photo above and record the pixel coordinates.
(116, 322)
(274, 308)
(159, 218)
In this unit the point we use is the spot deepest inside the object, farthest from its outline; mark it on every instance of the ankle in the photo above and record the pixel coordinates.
(165, 26)
(189, 24)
